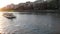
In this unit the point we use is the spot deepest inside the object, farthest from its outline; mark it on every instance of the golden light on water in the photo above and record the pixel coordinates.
(3, 23)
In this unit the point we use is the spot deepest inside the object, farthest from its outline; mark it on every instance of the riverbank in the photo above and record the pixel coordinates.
(35, 11)
(39, 11)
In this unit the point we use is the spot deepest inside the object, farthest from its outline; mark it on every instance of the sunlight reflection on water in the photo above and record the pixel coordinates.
(3, 22)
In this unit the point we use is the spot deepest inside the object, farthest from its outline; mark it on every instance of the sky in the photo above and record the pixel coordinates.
(7, 2)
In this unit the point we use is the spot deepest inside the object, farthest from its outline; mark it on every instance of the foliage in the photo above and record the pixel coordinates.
(53, 5)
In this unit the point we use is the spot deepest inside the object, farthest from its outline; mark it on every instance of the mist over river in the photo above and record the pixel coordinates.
(30, 23)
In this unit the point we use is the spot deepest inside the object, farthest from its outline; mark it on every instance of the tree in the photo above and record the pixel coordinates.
(53, 5)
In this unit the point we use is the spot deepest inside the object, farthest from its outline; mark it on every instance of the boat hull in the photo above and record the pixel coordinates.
(10, 17)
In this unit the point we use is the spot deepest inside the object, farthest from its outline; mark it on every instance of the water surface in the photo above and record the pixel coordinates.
(42, 23)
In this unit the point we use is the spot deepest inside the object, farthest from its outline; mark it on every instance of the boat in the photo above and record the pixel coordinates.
(9, 15)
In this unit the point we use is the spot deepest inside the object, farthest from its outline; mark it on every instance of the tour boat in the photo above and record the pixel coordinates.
(9, 15)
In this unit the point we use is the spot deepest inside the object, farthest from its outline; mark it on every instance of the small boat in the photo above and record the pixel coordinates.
(9, 15)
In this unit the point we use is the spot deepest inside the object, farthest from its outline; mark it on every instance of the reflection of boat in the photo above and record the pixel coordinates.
(9, 15)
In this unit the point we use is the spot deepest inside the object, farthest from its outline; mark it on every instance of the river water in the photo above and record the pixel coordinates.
(42, 23)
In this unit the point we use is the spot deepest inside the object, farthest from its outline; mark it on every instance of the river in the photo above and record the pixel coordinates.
(42, 23)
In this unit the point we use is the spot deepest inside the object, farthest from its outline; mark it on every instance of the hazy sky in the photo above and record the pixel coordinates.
(6, 2)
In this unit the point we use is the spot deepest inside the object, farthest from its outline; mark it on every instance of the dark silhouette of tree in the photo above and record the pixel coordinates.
(53, 5)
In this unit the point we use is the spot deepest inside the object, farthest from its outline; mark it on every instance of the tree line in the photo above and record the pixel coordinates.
(53, 5)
